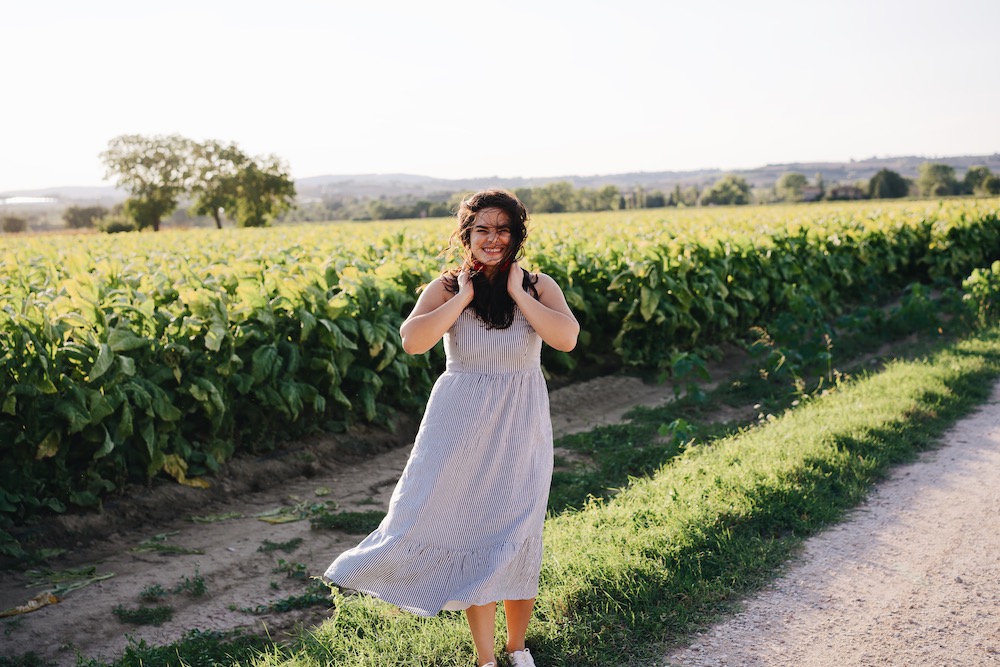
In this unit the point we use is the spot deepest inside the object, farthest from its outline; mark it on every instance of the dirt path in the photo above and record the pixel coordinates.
(911, 578)
(235, 573)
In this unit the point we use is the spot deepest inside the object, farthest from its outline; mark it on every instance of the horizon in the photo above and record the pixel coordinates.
(39, 193)
(536, 90)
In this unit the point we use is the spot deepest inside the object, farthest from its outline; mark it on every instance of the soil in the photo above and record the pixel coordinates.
(943, 596)
(912, 577)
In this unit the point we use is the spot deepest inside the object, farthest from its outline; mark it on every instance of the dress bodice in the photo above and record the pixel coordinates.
(473, 348)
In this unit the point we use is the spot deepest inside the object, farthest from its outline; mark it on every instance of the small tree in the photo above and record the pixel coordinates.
(790, 186)
(972, 184)
(83, 217)
(730, 190)
(887, 184)
(14, 224)
(937, 180)
(991, 185)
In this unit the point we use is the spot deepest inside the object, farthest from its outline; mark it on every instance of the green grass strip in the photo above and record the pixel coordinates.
(670, 552)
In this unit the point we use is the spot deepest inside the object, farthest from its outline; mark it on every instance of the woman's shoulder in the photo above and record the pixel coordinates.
(543, 280)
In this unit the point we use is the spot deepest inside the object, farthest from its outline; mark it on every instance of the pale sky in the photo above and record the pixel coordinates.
(461, 88)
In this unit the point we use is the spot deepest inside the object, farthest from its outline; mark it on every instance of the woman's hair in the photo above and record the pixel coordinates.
(492, 303)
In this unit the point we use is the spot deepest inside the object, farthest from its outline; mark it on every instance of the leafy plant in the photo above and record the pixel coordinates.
(157, 615)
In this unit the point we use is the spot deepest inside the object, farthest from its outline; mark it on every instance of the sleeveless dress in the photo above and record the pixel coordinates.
(464, 525)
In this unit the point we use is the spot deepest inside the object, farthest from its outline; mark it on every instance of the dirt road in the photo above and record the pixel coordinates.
(912, 578)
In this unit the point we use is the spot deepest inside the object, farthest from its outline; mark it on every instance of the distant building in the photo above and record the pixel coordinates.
(812, 193)
(840, 192)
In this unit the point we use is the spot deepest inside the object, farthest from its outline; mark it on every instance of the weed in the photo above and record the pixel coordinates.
(291, 569)
(157, 615)
(194, 587)
(288, 547)
(30, 659)
(197, 648)
(316, 593)
(355, 523)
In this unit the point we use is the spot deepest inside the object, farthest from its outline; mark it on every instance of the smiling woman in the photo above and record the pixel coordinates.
(464, 527)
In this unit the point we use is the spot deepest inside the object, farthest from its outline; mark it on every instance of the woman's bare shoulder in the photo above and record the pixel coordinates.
(544, 280)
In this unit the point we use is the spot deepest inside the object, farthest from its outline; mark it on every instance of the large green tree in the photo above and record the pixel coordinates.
(937, 180)
(215, 168)
(728, 190)
(154, 170)
(887, 184)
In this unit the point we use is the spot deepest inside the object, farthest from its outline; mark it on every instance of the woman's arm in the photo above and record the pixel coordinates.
(435, 312)
(549, 315)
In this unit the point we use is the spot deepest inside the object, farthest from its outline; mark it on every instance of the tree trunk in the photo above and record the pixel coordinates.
(218, 219)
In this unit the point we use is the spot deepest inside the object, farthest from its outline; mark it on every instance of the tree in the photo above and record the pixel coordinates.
(154, 170)
(991, 185)
(790, 186)
(14, 224)
(887, 184)
(972, 184)
(729, 190)
(215, 170)
(554, 197)
(83, 217)
(264, 190)
(689, 196)
(936, 180)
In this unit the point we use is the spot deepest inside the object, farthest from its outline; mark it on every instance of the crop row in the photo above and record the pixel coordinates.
(126, 357)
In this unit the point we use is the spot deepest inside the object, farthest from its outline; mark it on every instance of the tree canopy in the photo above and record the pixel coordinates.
(219, 178)
(154, 170)
(937, 180)
(727, 191)
(790, 186)
(887, 184)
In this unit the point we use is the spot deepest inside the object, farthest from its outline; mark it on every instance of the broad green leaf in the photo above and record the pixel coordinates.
(648, 300)
(49, 446)
(105, 358)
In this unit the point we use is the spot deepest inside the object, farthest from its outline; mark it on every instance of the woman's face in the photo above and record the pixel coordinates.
(489, 237)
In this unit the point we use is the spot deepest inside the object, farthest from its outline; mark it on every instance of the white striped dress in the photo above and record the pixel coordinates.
(464, 525)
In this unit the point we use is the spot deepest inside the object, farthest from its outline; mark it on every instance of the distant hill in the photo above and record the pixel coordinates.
(376, 185)
(390, 185)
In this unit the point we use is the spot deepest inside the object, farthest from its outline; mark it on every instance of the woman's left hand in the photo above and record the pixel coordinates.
(515, 279)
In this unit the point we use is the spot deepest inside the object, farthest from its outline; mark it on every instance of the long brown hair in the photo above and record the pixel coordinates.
(491, 302)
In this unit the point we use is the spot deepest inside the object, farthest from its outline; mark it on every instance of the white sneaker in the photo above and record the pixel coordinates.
(521, 658)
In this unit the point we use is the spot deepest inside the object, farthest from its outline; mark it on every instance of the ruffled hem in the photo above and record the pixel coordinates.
(426, 579)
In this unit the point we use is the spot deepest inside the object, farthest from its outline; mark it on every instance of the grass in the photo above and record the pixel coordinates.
(666, 555)
(354, 523)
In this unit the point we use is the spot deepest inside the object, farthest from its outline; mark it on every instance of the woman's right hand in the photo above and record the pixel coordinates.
(466, 290)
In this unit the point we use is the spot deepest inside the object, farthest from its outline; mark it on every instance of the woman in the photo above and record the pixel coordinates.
(464, 526)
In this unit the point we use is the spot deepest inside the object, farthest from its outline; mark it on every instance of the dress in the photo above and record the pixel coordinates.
(464, 525)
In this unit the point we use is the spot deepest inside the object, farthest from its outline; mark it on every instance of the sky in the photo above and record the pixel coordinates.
(466, 89)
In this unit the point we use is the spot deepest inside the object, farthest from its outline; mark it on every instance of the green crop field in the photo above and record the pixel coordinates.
(129, 356)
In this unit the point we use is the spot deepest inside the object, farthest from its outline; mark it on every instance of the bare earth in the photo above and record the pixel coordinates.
(911, 578)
